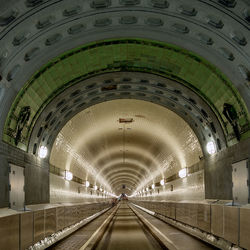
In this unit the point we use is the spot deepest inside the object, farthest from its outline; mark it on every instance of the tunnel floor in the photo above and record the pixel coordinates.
(77, 239)
(126, 232)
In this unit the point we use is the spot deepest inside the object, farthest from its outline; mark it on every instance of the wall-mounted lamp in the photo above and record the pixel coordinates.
(147, 189)
(43, 151)
(68, 175)
(183, 173)
(211, 148)
(153, 186)
(162, 182)
(87, 183)
(95, 187)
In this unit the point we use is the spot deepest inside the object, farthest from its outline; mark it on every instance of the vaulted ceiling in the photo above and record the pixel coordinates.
(125, 142)
(61, 58)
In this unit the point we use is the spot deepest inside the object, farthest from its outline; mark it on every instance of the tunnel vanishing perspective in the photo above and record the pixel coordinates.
(125, 142)
(117, 113)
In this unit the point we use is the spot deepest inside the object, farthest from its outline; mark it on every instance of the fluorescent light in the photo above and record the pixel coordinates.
(162, 182)
(211, 149)
(42, 152)
(68, 176)
(95, 187)
(183, 173)
(87, 184)
(153, 186)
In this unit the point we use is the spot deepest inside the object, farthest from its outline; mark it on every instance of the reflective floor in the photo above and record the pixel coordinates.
(76, 240)
(126, 232)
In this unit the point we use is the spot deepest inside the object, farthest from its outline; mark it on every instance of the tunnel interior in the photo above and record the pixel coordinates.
(150, 99)
(125, 145)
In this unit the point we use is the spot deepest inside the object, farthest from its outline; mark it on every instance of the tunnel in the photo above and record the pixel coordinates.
(124, 124)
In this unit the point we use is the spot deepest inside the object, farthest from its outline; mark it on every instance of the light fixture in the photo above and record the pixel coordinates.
(101, 189)
(147, 189)
(183, 173)
(95, 187)
(126, 120)
(162, 182)
(153, 186)
(87, 184)
(211, 149)
(42, 152)
(68, 176)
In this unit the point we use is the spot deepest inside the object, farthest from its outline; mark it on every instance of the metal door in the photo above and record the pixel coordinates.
(240, 178)
(17, 195)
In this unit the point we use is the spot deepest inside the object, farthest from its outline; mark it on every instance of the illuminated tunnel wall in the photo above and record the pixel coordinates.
(58, 58)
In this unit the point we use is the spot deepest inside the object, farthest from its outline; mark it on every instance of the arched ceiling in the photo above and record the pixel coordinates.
(95, 145)
(126, 55)
(198, 44)
(122, 85)
(61, 57)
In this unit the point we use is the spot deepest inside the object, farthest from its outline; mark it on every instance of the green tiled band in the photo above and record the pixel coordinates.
(125, 55)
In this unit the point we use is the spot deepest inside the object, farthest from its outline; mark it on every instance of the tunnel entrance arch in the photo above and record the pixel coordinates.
(127, 85)
(135, 55)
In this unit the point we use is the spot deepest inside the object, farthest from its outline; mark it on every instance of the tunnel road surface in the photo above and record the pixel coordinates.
(126, 232)
(124, 228)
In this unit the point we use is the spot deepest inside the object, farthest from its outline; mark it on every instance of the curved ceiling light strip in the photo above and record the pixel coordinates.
(122, 180)
(111, 152)
(137, 166)
(131, 162)
(118, 168)
(124, 174)
(136, 151)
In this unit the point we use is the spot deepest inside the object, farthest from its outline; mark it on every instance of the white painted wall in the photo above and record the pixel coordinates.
(63, 191)
(190, 188)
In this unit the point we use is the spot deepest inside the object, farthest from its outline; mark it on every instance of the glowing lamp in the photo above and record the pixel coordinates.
(183, 173)
(211, 149)
(68, 176)
(42, 152)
